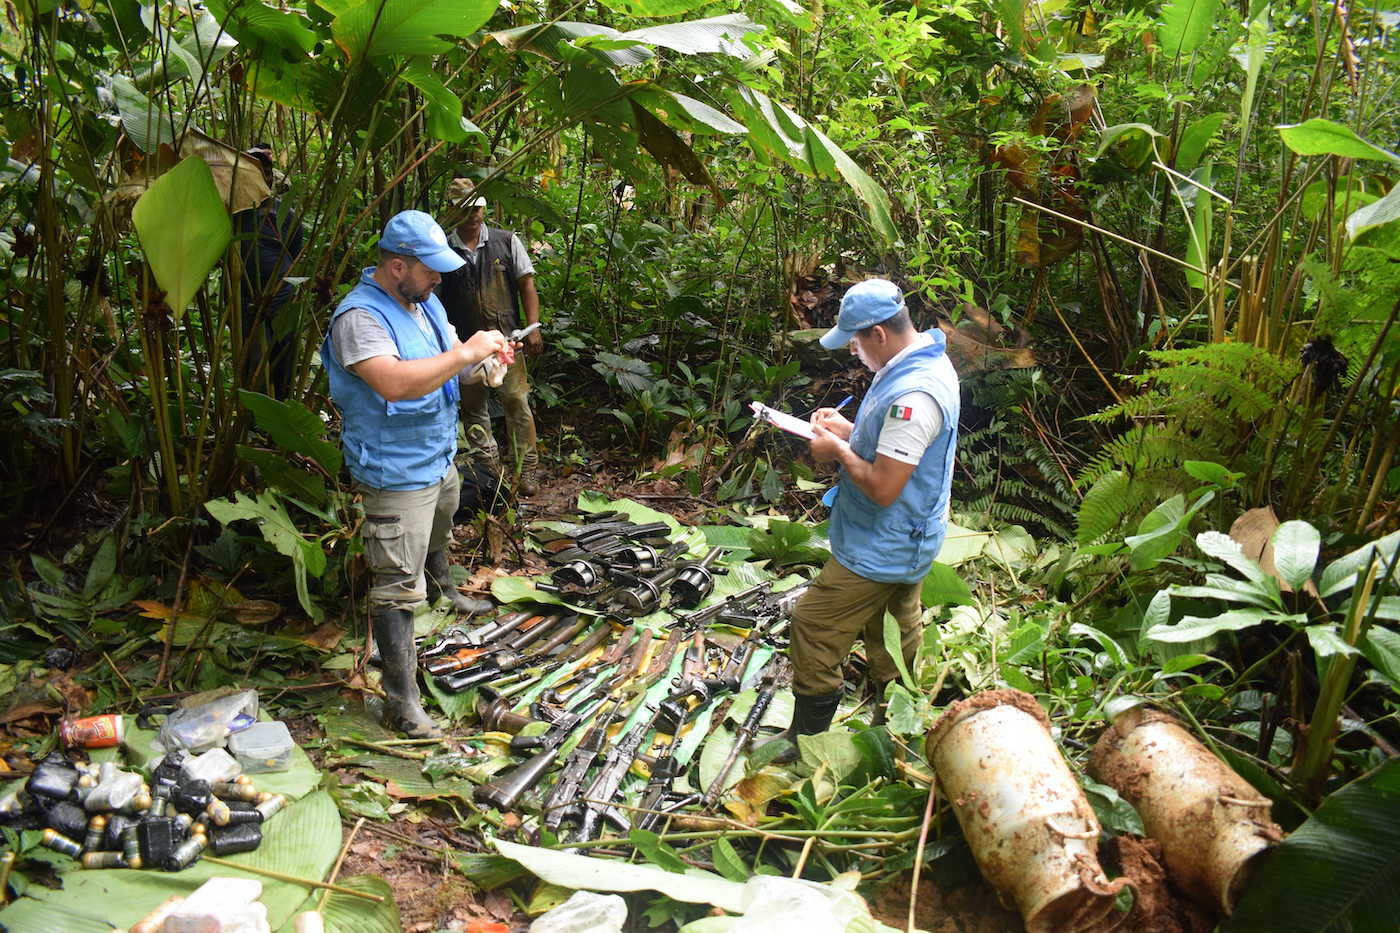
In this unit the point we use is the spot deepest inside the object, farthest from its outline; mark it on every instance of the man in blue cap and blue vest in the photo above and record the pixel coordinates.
(889, 510)
(393, 361)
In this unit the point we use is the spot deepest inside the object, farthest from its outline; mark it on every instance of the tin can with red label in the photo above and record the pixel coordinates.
(93, 732)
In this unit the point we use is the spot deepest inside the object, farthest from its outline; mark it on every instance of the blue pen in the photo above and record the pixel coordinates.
(849, 400)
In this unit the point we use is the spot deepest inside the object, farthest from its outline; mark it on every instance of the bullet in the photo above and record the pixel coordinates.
(94, 860)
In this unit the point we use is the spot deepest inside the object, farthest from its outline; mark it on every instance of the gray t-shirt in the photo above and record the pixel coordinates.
(357, 335)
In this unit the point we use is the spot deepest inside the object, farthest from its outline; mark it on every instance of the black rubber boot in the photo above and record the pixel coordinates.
(437, 576)
(810, 715)
(403, 707)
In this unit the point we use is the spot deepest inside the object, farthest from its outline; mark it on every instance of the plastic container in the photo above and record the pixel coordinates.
(1213, 825)
(215, 766)
(1030, 827)
(263, 747)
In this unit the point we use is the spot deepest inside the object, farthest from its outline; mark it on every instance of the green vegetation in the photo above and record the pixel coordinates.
(1177, 221)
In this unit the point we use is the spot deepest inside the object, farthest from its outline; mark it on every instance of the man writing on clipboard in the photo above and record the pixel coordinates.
(889, 510)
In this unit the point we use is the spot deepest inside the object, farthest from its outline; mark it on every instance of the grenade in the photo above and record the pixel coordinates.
(131, 847)
(269, 808)
(223, 815)
(234, 791)
(53, 839)
(186, 854)
(93, 860)
(96, 834)
(183, 822)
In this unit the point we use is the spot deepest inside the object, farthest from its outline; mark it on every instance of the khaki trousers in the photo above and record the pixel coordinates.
(520, 421)
(839, 607)
(400, 530)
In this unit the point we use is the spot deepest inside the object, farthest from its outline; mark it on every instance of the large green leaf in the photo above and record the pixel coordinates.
(1381, 647)
(1191, 628)
(1323, 137)
(1384, 211)
(145, 122)
(786, 135)
(722, 35)
(1199, 230)
(444, 109)
(263, 28)
(293, 427)
(595, 874)
(1296, 546)
(652, 7)
(302, 840)
(1225, 548)
(546, 40)
(1193, 144)
(1185, 26)
(184, 230)
(1341, 573)
(1256, 49)
(943, 587)
(1339, 871)
(347, 914)
(307, 556)
(407, 27)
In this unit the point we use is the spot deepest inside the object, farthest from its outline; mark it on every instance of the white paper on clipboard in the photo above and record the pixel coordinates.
(781, 419)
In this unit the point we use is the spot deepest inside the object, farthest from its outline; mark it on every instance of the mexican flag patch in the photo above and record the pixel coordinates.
(901, 412)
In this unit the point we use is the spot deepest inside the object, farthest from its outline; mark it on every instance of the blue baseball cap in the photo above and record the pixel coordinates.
(864, 305)
(414, 233)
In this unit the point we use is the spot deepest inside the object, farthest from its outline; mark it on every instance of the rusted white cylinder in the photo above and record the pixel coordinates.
(1213, 825)
(1029, 826)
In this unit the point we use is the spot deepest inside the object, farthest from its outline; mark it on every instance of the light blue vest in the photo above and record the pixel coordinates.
(897, 543)
(394, 445)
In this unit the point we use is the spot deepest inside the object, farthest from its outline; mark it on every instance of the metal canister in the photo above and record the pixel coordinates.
(234, 790)
(92, 732)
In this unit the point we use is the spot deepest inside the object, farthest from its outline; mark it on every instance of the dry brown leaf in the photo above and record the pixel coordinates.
(1253, 532)
(256, 611)
(326, 636)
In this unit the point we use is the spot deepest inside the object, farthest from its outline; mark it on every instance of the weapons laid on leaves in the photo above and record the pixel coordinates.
(509, 659)
(477, 636)
(505, 792)
(524, 633)
(775, 674)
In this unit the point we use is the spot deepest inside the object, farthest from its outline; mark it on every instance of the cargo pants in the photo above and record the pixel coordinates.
(839, 607)
(401, 528)
(520, 420)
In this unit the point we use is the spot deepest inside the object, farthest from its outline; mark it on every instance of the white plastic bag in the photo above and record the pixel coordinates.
(781, 905)
(584, 912)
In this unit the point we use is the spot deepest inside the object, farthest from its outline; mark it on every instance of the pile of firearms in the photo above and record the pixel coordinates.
(601, 671)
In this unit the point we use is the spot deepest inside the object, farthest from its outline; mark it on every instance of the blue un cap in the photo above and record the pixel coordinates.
(864, 305)
(414, 233)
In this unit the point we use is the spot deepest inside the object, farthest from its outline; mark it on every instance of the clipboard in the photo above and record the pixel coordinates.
(781, 419)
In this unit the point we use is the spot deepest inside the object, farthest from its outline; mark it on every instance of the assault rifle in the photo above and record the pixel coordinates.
(478, 636)
(509, 659)
(524, 633)
(777, 670)
(505, 792)
(563, 796)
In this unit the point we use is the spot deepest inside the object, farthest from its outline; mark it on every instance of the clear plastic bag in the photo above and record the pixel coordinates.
(584, 912)
(201, 728)
(781, 905)
(114, 789)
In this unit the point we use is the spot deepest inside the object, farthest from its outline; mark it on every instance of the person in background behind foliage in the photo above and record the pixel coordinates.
(889, 510)
(271, 238)
(393, 361)
(492, 289)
